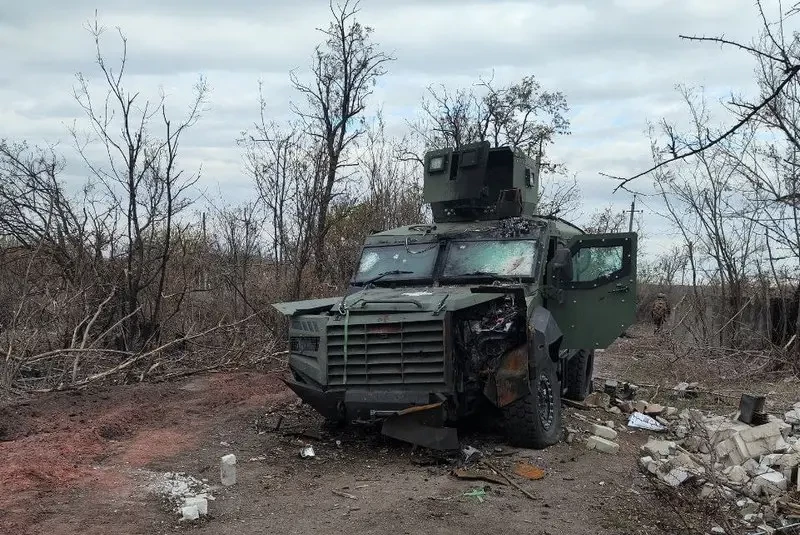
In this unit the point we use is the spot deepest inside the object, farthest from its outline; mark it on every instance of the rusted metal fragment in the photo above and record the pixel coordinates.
(510, 380)
(528, 471)
(478, 475)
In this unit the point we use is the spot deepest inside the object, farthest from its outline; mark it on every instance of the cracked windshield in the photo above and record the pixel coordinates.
(505, 258)
(416, 259)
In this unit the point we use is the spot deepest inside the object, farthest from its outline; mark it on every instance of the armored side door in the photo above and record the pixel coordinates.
(597, 302)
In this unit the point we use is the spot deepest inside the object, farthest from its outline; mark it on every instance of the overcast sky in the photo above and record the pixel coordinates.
(617, 62)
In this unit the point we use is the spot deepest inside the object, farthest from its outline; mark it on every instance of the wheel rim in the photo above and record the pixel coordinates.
(546, 402)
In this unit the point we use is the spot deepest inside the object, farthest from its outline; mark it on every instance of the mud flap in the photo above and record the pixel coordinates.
(510, 381)
(422, 425)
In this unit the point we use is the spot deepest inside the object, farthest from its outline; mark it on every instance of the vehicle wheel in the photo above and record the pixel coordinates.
(534, 421)
(580, 370)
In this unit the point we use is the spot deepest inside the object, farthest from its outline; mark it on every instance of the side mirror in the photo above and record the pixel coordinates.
(561, 265)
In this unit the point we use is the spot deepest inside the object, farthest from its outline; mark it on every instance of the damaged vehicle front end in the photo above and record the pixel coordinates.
(426, 345)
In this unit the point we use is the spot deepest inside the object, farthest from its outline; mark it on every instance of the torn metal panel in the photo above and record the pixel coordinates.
(423, 426)
(509, 382)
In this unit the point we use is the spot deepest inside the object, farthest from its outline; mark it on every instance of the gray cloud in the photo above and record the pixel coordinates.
(617, 61)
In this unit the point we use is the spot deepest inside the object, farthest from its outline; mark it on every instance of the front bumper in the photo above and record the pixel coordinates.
(356, 404)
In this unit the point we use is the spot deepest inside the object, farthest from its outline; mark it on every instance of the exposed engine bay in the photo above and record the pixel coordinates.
(484, 334)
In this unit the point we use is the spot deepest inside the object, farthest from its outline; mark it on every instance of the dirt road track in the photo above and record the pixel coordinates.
(82, 463)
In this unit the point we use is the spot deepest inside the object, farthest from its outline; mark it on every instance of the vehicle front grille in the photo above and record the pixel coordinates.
(385, 354)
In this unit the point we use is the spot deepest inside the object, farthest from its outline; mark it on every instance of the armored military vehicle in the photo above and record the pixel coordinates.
(490, 309)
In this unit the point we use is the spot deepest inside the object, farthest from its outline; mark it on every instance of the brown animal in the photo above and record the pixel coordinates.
(660, 311)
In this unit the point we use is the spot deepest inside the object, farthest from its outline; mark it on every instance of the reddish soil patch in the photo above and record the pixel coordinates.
(66, 441)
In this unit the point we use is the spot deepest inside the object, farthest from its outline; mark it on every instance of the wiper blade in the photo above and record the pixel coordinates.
(494, 276)
(386, 274)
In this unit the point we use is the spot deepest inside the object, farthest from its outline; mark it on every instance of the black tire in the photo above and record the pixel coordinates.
(534, 421)
(580, 370)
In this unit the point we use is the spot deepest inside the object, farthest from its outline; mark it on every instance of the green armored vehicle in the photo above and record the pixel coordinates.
(490, 310)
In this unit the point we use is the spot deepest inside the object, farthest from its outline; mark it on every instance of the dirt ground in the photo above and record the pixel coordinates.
(85, 462)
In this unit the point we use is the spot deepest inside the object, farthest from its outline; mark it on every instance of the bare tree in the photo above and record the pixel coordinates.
(520, 115)
(777, 53)
(706, 202)
(344, 72)
(141, 178)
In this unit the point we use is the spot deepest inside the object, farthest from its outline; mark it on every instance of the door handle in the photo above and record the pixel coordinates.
(620, 288)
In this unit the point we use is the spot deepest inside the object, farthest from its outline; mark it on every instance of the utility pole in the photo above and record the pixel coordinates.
(633, 210)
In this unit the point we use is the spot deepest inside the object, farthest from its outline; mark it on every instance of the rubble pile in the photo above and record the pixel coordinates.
(752, 467)
(184, 494)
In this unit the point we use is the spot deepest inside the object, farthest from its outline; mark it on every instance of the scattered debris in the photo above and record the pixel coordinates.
(307, 452)
(198, 502)
(603, 431)
(477, 475)
(659, 448)
(227, 469)
(190, 512)
(477, 492)
(344, 494)
(751, 409)
(654, 409)
(509, 480)
(598, 399)
(685, 390)
(602, 445)
(754, 466)
(186, 495)
(528, 471)
(638, 420)
(470, 454)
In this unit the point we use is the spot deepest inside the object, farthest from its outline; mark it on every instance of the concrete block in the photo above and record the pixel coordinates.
(198, 501)
(658, 448)
(792, 417)
(747, 506)
(604, 432)
(190, 512)
(675, 477)
(769, 430)
(771, 482)
(782, 460)
(227, 470)
(602, 444)
(736, 474)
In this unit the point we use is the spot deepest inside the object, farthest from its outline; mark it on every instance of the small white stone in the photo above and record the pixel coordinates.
(190, 512)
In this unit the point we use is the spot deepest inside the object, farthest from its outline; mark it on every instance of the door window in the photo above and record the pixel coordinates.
(596, 262)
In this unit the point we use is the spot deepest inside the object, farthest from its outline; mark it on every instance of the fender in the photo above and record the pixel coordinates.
(545, 334)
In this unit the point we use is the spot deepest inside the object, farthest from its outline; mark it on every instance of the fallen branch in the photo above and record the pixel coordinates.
(135, 358)
(510, 482)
